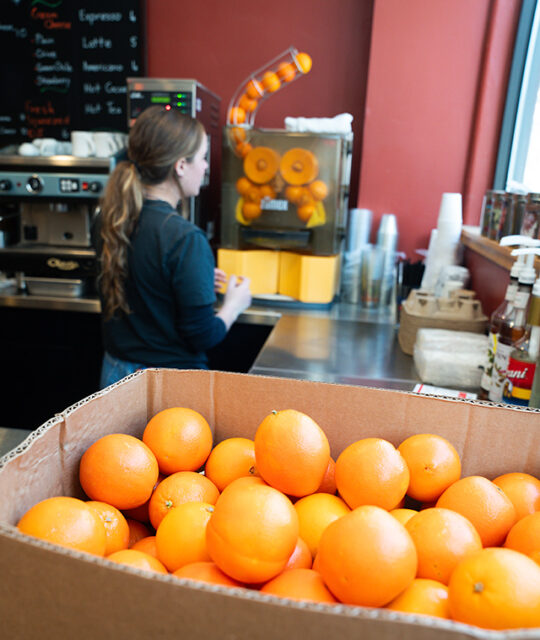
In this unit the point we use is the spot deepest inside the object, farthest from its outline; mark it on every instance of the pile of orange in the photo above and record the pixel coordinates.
(267, 174)
(267, 82)
(378, 526)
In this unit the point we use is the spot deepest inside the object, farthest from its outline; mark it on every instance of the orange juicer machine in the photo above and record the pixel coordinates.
(284, 195)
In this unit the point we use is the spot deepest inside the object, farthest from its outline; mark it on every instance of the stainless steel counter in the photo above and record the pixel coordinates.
(335, 349)
(10, 296)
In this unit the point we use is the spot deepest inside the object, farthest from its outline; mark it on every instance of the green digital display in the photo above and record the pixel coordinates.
(160, 99)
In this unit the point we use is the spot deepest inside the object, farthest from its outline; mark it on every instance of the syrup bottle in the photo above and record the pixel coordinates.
(513, 328)
(501, 313)
(523, 358)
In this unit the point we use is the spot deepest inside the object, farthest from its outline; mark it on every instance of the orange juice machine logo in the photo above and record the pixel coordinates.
(281, 189)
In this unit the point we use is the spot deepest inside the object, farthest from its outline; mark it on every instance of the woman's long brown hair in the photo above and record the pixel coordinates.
(159, 137)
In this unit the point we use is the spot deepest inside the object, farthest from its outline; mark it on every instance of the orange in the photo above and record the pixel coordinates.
(270, 81)
(252, 532)
(231, 459)
(496, 589)
(315, 513)
(315, 565)
(243, 148)
(305, 212)
(286, 72)
(140, 513)
(251, 210)
(535, 555)
(261, 164)
(253, 194)
(299, 584)
(371, 471)
(236, 115)
(523, 491)
(403, 515)
(433, 463)
(367, 557)
(318, 189)
(301, 557)
(291, 452)
(137, 531)
(267, 191)
(180, 438)
(243, 185)
(180, 487)
(206, 572)
(304, 62)
(484, 504)
(299, 166)
(137, 559)
(181, 536)
(148, 545)
(524, 536)
(423, 596)
(247, 104)
(65, 521)
(236, 134)
(442, 538)
(116, 526)
(328, 484)
(120, 470)
(294, 193)
(254, 89)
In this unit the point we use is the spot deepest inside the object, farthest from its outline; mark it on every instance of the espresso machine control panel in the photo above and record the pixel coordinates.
(53, 177)
(50, 185)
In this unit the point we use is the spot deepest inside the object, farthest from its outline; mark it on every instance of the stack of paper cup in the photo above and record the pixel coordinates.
(444, 241)
(358, 232)
(359, 229)
(387, 240)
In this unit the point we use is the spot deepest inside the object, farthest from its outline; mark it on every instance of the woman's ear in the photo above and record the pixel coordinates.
(180, 166)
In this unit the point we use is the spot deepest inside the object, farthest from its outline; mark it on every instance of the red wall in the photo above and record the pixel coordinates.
(436, 89)
(424, 79)
(221, 42)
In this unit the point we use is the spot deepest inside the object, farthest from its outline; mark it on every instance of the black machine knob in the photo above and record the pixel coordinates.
(5, 185)
(94, 187)
(34, 184)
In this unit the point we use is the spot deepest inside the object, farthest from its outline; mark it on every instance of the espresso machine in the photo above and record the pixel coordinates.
(194, 99)
(52, 201)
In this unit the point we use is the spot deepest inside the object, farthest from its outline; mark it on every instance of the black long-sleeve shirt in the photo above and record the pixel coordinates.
(170, 291)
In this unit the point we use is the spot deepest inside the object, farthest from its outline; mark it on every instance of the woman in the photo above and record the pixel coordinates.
(158, 278)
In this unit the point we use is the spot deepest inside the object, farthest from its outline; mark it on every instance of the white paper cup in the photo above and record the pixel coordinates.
(105, 144)
(450, 211)
(46, 146)
(359, 229)
(28, 149)
(82, 144)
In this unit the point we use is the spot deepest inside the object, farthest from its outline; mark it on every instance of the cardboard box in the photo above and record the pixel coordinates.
(51, 592)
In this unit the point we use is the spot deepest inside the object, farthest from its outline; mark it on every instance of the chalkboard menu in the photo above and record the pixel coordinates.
(64, 64)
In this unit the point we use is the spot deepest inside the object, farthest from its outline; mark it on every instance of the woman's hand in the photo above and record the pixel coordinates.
(220, 278)
(238, 293)
(237, 299)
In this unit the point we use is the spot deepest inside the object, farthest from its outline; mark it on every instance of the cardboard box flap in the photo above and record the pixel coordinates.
(33, 468)
(82, 597)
